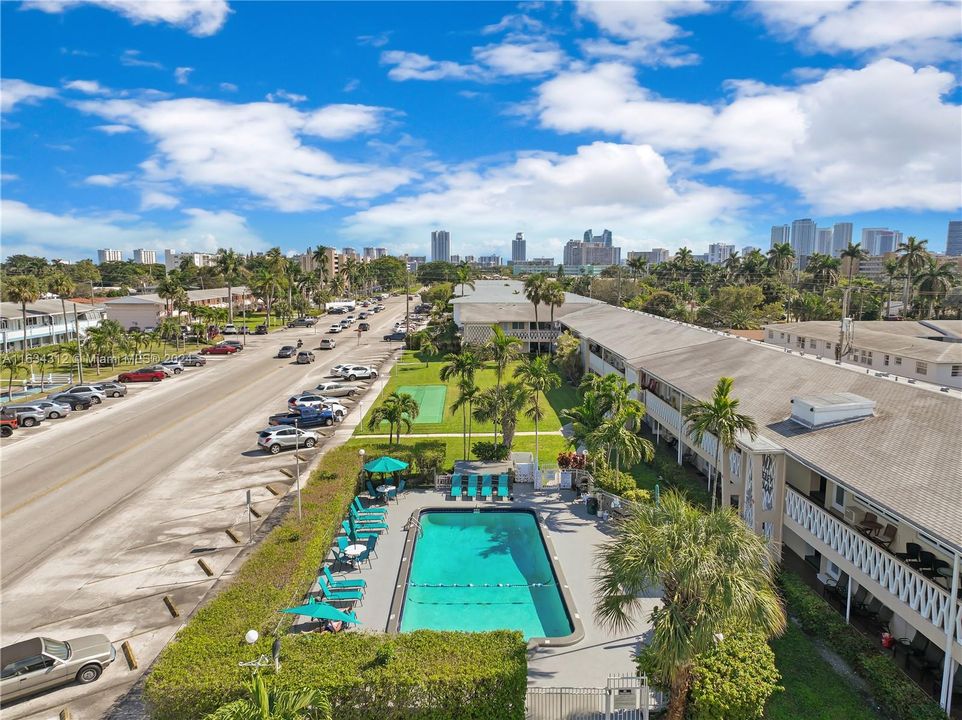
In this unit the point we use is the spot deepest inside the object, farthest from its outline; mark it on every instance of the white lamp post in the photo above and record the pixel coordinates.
(360, 454)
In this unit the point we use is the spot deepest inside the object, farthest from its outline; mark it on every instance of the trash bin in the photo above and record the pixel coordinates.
(592, 506)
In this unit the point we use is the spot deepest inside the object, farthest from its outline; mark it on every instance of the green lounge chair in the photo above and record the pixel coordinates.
(356, 504)
(358, 584)
(472, 486)
(486, 486)
(502, 486)
(456, 486)
(339, 595)
(366, 521)
(356, 534)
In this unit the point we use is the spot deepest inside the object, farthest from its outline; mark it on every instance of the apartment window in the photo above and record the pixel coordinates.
(828, 345)
(800, 342)
(885, 360)
(922, 368)
(838, 499)
(956, 370)
(782, 336)
(517, 326)
(832, 570)
(898, 360)
(811, 344)
(771, 334)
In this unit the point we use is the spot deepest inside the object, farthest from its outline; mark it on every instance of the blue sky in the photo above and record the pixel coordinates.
(198, 125)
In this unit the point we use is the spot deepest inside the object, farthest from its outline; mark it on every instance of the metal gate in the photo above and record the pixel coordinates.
(625, 697)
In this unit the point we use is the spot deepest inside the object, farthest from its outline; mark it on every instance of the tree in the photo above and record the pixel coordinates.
(23, 289)
(467, 394)
(715, 574)
(912, 255)
(465, 276)
(167, 290)
(824, 269)
(553, 295)
(534, 287)
(616, 438)
(781, 258)
(538, 377)
(62, 286)
(934, 281)
(13, 363)
(502, 349)
(323, 261)
(398, 410)
(852, 253)
(891, 269)
(228, 264)
(661, 303)
(272, 704)
(501, 405)
(568, 356)
(462, 365)
(719, 417)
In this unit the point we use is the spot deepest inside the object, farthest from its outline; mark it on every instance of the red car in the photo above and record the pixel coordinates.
(142, 375)
(218, 350)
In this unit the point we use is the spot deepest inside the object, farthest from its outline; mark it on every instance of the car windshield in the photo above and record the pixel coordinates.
(59, 650)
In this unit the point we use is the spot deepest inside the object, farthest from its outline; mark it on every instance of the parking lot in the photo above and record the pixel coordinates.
(122, 518)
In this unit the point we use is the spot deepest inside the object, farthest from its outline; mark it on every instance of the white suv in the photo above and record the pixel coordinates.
(358, 372)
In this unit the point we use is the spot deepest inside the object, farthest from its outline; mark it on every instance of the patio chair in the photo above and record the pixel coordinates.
(472, 486)
(926, 564)
(367, 522)
(486, 486)
(366, 529)
(837, 588)
(869, 523)
(883, 617)
(928, 661)
(339, 556)
(358, 584)
(502, 486)
(914, 648)
(366, 555)
(886, 537)
(372, 492)
(339, 595)
(456, 486)
(356, 504)
(393, 493)
(911, 554)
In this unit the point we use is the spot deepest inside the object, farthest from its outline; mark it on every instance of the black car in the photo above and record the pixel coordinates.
(287, 351)
(76, 402)
(336, 311)
(261, 330)
(364, 326)
(395, 336)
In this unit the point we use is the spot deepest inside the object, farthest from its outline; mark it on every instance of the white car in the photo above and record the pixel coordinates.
(336, 389)
(335, 328)
(336, 370)
(335, 407)
(166, 370)
(281, 437)
(176, 365)
(358, 372)
(229, 329)
(90, 392)
(349, 319)
(328, 343)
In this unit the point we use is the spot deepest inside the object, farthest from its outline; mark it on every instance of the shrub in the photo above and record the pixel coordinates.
(734, 680)
(487, 451)
(615, 481)
(570, 460)
(637, 495)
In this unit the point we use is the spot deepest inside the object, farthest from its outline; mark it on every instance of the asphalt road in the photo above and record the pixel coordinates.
(106, 511)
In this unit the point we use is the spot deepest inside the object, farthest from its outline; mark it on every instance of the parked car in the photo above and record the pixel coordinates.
(288, 351)
(335, 407)
(335, 328)
(176, 365)
(306, 417)
(302, 322)
(358, 372)
(350, 320)
(234, 344)
(27, 415)
(142, 375)
(88, 391)
(41, 663)
(219, 350)
(8, 422)
(336, 370)
(75, 402)
(364, 327)
(305, 357)
(336, 389)
(395, 336)
(53, 410)
(168, 372)
(282, 437)
(328, 343)
(260, 330)
(192, 360)
(345, 323)
(229, 329)
(112, 389)
(305, 400)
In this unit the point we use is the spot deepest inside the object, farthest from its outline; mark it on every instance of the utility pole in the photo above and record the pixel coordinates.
(297, 459)
(843, 328)
(76, 329)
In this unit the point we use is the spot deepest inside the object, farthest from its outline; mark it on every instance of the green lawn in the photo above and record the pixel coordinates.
(813, 690)
(692, 483)
(549, 446)
(420, 373)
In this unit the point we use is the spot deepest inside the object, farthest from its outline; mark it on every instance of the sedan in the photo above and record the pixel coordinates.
(288, 351)
(41, 663)
(234, 344)
(112, 389)
(142, 375)
(282, 437)
(335, 328)
(219, 350)
(53, 410)
(395, 336)
(75, 402)
(192, 360)
(88, 391)
(328, 343)
(334, 389)
(336, 370)
(168, 372)
(305, 357)
(364, 327)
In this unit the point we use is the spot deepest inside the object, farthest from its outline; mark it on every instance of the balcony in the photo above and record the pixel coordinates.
(670, 418)
(534, 335)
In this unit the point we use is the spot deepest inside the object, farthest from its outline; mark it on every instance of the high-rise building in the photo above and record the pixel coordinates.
(591, 253)
(719, 252)
(604, 238)
(878, 241)
(749, 249)
(953, 240)
(519, 250)
(454, 259)
(489, 261)
(441, 246)
(823, 241)
(350, 252)
(781, 234)
(145, 257)
(368, 253)
(841, 237)
(172, 260)
(333, 264)
(109, 256)
(803, 238)
(380, 252)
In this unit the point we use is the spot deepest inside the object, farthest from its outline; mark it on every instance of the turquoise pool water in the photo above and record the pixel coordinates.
(483, 571)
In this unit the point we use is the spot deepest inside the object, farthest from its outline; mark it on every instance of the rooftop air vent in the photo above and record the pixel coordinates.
(818, 411)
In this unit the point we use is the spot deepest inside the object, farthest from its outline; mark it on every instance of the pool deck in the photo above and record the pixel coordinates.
(575, 535)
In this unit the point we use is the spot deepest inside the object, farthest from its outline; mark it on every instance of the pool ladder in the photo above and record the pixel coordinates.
(413, 522)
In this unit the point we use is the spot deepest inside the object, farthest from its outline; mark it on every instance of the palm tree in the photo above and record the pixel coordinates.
(781, 258)
(13, 363)
(503, 349)
(719, 417)
(585, 418)
(553, 295)
(912, 255)
(273, 704)
(228, 263)
(464, 276)
(732, 265)
(615, 438)
(398, 410)
(853, 253)
(167, 289)
(538, 377)
(501, 405)
(714, 572)
(276, 266)
(323, 261)
(23, 289)
(61, 285)
(934, 281)
(263, 284)
(462, 365)
(467, 394)
(534, 286)
(891, 269)
(824, 269)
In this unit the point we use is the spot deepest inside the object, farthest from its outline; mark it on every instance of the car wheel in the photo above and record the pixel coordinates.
(118, 394)
(95, 400)
(310, 442)
(352, 393)
(6, 431)
(178, 371)
(54, 416)
(329, 421)
(89, 673)
(28, 422)
(122, 379)
(77, 406)
(275, 448)
(373, 374)
(352, 377)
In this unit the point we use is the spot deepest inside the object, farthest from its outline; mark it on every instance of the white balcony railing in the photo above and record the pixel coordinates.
(534, 335)
(893, 577)
(671, 418)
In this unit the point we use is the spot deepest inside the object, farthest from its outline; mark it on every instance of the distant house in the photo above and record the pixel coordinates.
(147, 310)
(45, 323)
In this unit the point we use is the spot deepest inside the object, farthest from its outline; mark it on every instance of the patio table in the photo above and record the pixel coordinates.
(354, 551)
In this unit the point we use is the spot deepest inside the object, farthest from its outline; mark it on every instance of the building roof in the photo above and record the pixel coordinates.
(44, 307)
(905, 458)
(192, 295)
(911, 339)
(504, 301)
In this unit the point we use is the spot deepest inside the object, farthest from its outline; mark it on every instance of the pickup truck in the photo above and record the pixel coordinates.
(306, 418)
(302, 322)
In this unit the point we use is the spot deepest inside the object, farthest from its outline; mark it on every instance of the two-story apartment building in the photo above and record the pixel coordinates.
(147, 310)
(46, 323)
(859, 476)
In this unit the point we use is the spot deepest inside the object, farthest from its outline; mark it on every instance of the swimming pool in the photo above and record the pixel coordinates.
(484, 570)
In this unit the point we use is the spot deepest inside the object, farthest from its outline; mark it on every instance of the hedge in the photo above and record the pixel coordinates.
(892, 689)
(734, 680)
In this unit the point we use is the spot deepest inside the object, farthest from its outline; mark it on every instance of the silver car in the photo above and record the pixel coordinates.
(336, 389)
(88, 391)
(284, 437)
(167, 371)
(41, 663)
(176, 365)
(51, 410)
(27, 415)
(112, 389)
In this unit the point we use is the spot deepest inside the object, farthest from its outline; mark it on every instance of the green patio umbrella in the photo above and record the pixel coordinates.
(322, 611)
(385, 465)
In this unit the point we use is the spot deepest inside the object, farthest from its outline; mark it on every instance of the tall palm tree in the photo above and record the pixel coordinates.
(167, 290)
(732, 265)
(934, 281)
(534, 286)
(323, 261)
(462, 365)
(398, 410)
(781, 258)
(585, 418)
(714, 572)
(719, 417)
(23, 289)
(272, 704)
(553, 295)
(501, 405)
(228, 263)
(538, 377)
(891, 269)
(824, 270)
(465, 276)
(912, 255)
(853, 253)
(467, 394)
(60, 284)
(13, 363)
(616, 438)
(503, 349)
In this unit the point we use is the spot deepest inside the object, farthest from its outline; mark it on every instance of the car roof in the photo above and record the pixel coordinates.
(21, 651)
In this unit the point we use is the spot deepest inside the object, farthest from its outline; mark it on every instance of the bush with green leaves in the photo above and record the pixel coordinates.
(614, 481)
(638, 495)
(487, 451)
(734, 680)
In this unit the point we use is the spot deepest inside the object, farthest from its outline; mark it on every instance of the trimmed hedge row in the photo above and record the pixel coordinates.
(900, 697)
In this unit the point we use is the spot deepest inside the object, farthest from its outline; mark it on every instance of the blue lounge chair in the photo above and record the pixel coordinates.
(486, 486)
(472, 486)
(367, 522)
(394, 492)
(339, 595)
(502, 486)
(358, 584)
(456, 488)
(356, 504)
(355, 534)
(375, 495)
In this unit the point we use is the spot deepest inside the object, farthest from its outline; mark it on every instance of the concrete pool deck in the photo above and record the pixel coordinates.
(575, 535)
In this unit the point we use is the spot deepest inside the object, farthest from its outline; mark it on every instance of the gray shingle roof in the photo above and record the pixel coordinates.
(910, 343)
(504, 301)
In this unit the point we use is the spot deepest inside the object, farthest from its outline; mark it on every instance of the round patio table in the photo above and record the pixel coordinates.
(354, 551)
(384, 489)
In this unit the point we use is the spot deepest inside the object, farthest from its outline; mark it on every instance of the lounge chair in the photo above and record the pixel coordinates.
(334, 584)
(366, 521)
(394, 492)
(486, 486)
(472, 486)
(456, 486)
(355, 534)
(356, 504)
(502, 486)
(339, 595)
(374, 494)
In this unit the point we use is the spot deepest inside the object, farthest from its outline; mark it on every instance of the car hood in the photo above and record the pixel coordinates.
(89, 646)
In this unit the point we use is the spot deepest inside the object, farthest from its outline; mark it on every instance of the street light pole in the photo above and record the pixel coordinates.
(297, 460)
(76, 329)
(360, 454)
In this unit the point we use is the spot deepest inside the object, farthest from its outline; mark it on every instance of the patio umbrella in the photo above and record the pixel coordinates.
(322, 611)
(385, 465)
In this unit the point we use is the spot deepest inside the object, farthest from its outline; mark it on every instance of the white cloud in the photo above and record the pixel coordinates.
(258, 148)
(107, 180)
(8, 177)
(515, 57)
(182, 75)
(854, 140)
(378, 40)
(13, 92)
(198, 17)
(33, 231)
(918, 31)
(228, 87)
(114, 129)
(352, 85)
(131, 58)
(282, 95)
(414, 66)
(626, 187)
(519, 22)
(87, 87)
(521, 58)
(154, 200)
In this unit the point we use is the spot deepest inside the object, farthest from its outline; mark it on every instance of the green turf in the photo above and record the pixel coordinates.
(430, 399)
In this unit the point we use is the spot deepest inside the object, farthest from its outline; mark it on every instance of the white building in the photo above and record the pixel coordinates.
(147, 311)
(878, 241)
(104, 256)
(172, 259)
(719, 252)
(823, 241)
(803, 239)
(145, 257)
(46, 323)
(440, 246)
(841, 237)
(781, 234)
